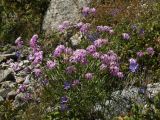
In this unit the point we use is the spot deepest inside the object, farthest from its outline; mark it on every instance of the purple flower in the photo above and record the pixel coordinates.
(75, 83)
(125, 36)
(150, 51)
(104, 28)
(18, 54)
(33, 41)
(85, 27)
(103, 67)
(85, 11)
(51, 64)
(100, 42)
(114, 70)
(70, 69)
(89, 76)
(37, 72)
(68, 51)
(38, 57)
(79, 25)
(19, 42)
(92, 10)
(91, 49)
(140, 54)
(111, 32)
(96, 55)
(100, 28)
(64, 99)
(120, 75)
(133, 65)
(59, 50)
(79, 56)
(22, 88)
(67, 85)
(30, 57)
(65, 25)
(15, 66)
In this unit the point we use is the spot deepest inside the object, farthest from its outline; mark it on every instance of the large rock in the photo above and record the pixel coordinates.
(61, 10)
(121, 101)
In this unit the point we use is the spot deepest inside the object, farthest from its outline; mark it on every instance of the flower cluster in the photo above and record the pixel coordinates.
(51, 64)
(59, 50)
(149, 51)
(100, 42)
(110, 61)
(64, 26)
(86, 11)
(79, 55)
(104, 28)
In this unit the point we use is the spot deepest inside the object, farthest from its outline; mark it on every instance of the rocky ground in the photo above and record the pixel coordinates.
(16, 83)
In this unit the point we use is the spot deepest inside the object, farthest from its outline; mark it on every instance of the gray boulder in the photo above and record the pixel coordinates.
(121, 101)
(62, 10)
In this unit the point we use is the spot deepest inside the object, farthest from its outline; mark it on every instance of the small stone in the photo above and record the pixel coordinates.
(19, 80)
(27, 81)
(11, 95)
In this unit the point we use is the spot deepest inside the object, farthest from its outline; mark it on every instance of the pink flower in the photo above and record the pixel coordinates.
(140, 54)
(68, 51)
(91, 49)
(37, 72)
(19, 42)
(79, 25)
(120, 75)
(92, 10)
(96, 55)
(59, 50)
(125, 36)
(71, 69)
(38, 57)
(89, 76)
(51, 64)
(100, 42)
(150, 51)
(103, 67)
(64, 26)
(75, 83)
(85, 11)
(33, 41)
(85, 28)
